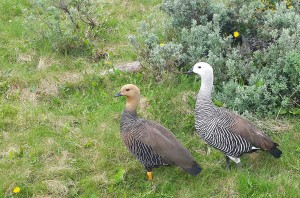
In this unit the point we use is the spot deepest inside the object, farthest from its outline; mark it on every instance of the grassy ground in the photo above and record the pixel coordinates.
(59, 125)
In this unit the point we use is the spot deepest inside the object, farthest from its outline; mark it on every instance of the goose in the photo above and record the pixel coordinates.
(151, 143)
(226, 131)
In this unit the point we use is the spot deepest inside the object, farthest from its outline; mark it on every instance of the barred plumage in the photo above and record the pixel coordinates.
(212, 123)
(131, 128)
(152, 144)
(224, 130)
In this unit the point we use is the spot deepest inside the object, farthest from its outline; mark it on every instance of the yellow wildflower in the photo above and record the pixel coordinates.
(161, 45)
(289, 7)
(107, 63)
(17, 189)
(236, 34)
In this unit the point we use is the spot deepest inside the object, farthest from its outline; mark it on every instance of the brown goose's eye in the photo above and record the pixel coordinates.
(127, 89)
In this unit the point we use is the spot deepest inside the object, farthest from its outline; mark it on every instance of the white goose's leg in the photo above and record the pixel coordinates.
(236, 160)
(227, 162)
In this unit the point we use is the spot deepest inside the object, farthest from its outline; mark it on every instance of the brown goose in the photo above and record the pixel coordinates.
(224, 130)
(151, 143)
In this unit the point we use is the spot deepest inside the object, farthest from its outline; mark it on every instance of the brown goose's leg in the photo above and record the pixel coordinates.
(150, 175)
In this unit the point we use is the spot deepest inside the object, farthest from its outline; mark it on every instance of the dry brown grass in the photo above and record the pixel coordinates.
(57, 163)
(56, 188)
(45, 62)
(24, 58)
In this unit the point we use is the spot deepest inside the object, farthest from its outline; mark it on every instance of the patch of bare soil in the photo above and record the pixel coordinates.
(56, 187)
(56, 163)
(24, 58)
(26, 94)
(45, 62)
(49, 86)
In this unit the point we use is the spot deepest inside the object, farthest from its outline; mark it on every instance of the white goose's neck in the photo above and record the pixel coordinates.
(206, 86)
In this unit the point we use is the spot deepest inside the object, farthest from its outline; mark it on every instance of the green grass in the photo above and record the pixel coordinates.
(59, 125)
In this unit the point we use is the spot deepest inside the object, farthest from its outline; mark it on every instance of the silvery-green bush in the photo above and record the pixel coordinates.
(257, 71)
(67, 25)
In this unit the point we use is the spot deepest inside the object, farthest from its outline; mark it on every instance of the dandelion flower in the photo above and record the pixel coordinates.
(161, 45)
(17, 189)
(290, 7)
(236, 34)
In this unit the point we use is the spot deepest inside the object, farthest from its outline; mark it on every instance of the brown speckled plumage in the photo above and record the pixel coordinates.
(152, 144)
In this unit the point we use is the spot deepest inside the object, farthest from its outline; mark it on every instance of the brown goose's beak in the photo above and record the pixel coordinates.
(190, 71)
(118, 94)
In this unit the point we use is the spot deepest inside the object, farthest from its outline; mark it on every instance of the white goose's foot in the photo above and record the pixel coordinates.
(237, 161)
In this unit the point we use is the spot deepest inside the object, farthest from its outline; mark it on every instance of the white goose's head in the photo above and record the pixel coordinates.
(202, 69)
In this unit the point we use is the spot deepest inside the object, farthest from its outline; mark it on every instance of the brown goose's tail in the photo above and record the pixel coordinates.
(275, 151)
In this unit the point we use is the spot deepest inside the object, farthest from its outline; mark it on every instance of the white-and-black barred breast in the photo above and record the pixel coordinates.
(213, 125)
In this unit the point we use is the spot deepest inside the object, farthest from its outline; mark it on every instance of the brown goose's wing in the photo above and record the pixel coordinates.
(165, 144)
(249, 132)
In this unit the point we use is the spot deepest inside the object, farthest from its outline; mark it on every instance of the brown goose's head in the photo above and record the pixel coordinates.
(132, 94)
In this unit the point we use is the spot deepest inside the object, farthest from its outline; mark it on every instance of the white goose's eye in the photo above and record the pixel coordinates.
(199, 67)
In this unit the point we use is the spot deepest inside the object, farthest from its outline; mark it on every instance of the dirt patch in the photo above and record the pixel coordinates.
(10, 151)
(26, 94)
(48, 86)
(89, 70)
(45, 62)
(56, 187)
(57, 163)
(24, 58)
(69, 77)
(100, 179)
(44, 196)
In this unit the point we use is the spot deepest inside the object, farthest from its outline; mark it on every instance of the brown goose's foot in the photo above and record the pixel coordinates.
(150, 175)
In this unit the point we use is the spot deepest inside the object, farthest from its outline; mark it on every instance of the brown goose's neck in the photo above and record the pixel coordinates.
(132, 103)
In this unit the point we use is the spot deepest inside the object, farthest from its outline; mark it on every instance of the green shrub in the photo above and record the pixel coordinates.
(154, 53)
(253, 46)
(69, 26)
